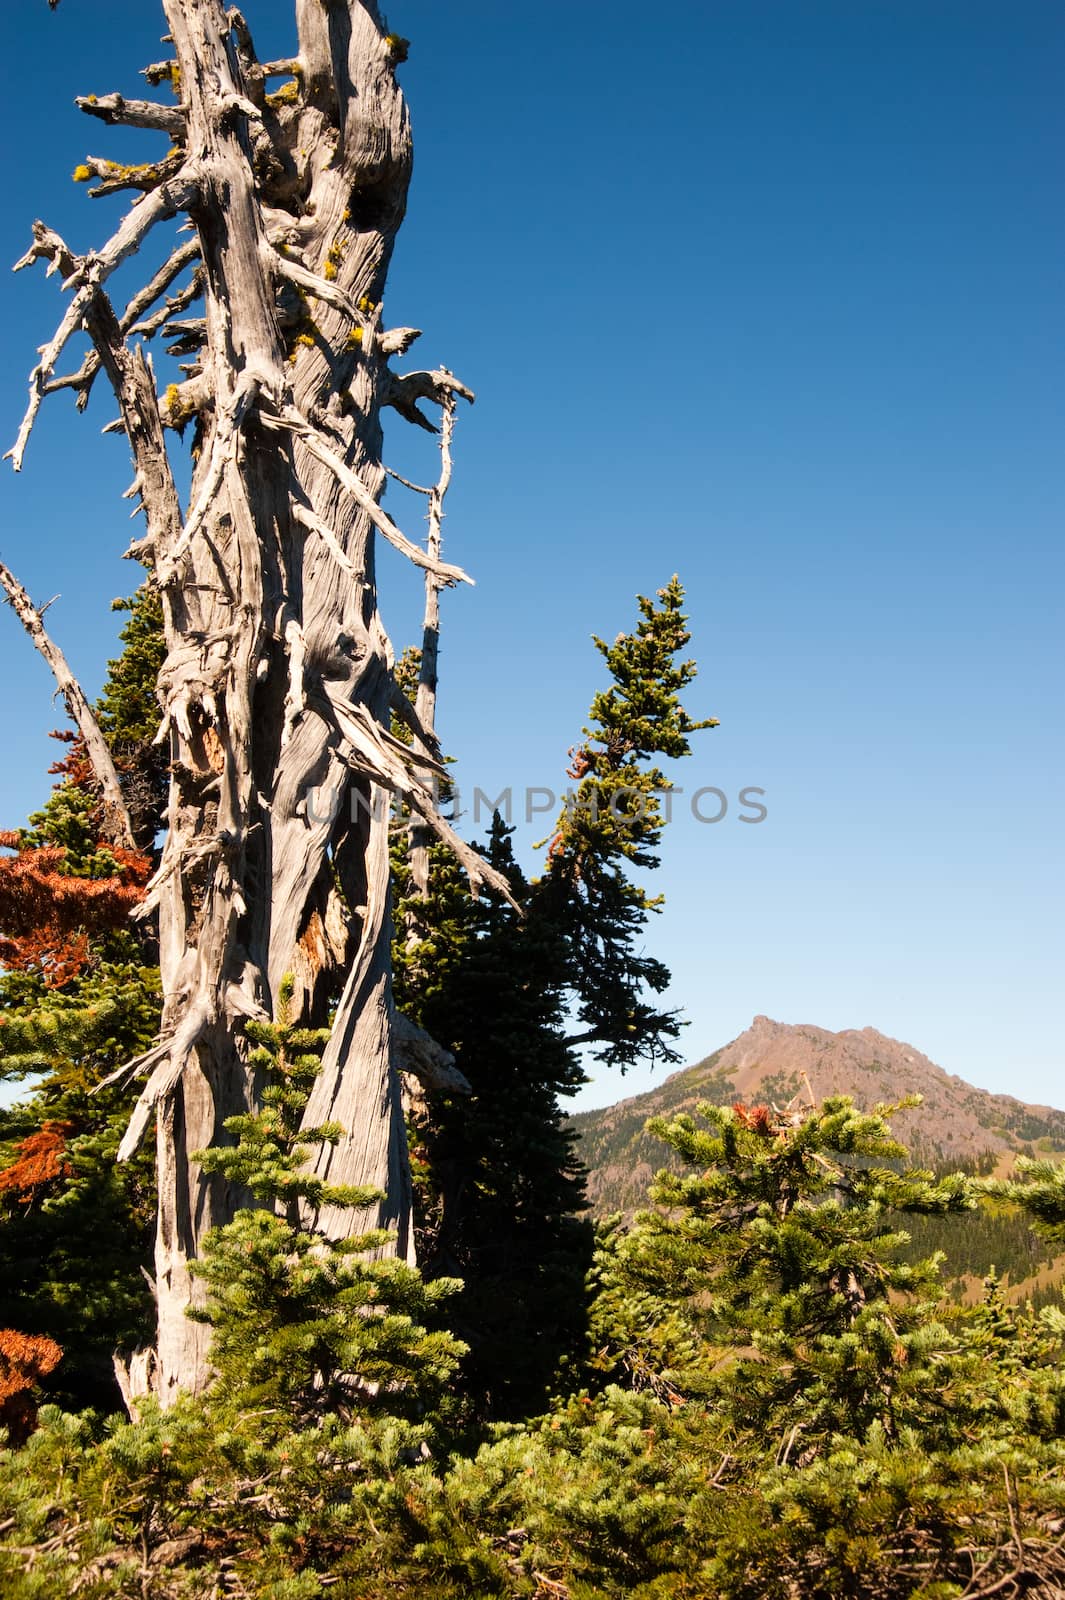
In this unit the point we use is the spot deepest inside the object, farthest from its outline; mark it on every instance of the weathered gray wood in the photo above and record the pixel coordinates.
(277, 686)
(133, 113)
(117, 828)
(428, 670)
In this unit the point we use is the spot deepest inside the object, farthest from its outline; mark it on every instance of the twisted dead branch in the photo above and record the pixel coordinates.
(117, 828)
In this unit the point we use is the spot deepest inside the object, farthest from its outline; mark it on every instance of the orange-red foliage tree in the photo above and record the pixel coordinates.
(24, 1360)
(39, 1161)
(48, 916)
(78, 997)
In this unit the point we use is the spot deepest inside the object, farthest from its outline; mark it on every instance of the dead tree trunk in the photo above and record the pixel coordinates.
(428, 675)
(277, 685)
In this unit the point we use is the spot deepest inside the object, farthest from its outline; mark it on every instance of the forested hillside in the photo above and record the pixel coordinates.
(957, 1127)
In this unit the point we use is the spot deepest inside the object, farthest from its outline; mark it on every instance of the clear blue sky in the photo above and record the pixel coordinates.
(768, 294)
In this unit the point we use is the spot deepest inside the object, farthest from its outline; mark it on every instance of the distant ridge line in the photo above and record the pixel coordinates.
(956, 1125)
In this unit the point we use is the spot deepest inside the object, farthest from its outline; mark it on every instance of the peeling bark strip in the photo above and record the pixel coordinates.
(278, 679)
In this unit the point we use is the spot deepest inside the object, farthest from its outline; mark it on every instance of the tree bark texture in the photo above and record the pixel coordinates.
(277, 686)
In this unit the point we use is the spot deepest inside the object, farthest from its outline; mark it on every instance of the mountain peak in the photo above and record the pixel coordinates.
(775, 1062)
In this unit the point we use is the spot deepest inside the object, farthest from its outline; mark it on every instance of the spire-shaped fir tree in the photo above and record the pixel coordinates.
(613, 822)
(501, 1185)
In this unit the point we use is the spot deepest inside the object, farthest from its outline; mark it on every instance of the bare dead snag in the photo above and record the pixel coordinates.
(425, 699)
(277, 686)
(117, 828)
(424, 1063)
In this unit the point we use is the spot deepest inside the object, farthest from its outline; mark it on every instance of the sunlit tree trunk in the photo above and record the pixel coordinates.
(277, 688)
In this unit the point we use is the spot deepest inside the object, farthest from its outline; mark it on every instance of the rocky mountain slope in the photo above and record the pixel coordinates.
(957, 1125)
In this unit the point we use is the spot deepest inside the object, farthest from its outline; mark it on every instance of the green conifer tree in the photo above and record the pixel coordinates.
(1039, 1187)
(75, 1232)
(128, 712)
(613, 822)
(859, 1435)
(500, 1182)
(781, 1252)
(300, 1321)
(76, 1228)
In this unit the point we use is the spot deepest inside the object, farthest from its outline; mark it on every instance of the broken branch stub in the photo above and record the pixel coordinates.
(116, 826)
